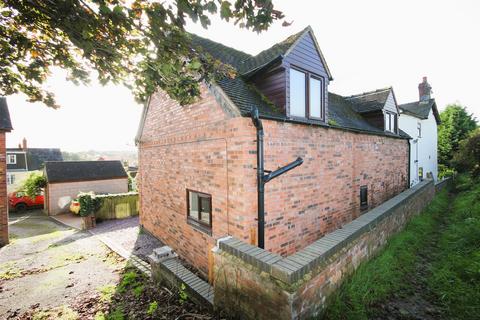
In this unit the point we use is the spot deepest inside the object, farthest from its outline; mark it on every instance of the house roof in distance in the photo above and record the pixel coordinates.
(371, 100)
(421, 109)
(5, 122)
(36, 157)
(69, 171)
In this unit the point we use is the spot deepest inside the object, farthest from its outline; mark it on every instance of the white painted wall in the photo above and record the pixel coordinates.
(61, 194)
(424, 148)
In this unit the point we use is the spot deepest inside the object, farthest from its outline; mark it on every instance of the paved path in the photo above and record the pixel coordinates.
(48, 265)
(126, 236)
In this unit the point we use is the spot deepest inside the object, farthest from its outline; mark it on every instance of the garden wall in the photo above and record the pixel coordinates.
(117, 206)
(258, 284)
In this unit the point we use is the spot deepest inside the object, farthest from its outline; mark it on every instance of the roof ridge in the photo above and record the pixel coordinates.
(424, 102)
(369, 92)
(220, 43)
(292, 36)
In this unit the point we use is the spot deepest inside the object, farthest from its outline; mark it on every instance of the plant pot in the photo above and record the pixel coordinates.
(88, 222)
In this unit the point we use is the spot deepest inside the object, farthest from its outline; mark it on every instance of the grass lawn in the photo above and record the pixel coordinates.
(430, 270)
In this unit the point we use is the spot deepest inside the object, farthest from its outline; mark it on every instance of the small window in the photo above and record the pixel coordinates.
(419, 128)
(363, 197)
(297, 93)
(316, 92)
(11, 159)
(390, 122)
(199, 210)
(306, 95)
(10, 178)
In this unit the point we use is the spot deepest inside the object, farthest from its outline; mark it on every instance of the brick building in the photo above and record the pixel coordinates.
(5, 126)
(198, 163)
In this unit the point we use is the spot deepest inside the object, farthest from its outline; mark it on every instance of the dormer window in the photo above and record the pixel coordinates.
(390, 122)
(306, 95)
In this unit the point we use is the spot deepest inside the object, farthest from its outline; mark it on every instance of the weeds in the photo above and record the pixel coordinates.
(182, 293)
(378, 278)
(152, 307)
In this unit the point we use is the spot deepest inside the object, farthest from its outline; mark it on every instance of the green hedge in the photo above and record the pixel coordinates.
(117, 206)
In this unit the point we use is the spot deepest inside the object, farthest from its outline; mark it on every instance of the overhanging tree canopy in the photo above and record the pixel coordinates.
(140, 43)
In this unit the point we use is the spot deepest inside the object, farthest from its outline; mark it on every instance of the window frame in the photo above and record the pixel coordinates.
(308, 75)
(391, 121)
(10, 178)
(9, 156)
(197, 222)
(419, 129)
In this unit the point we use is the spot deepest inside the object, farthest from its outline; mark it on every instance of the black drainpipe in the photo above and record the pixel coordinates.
(263, 178)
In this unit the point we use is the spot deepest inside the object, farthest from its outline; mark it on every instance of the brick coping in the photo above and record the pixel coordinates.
(292, 268)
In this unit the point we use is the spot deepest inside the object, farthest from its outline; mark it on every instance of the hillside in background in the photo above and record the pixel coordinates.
(130, 156)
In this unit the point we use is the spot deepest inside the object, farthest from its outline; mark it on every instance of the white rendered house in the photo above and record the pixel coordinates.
(420, 119)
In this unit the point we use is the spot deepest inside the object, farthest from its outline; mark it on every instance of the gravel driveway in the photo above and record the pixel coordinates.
(48, 266)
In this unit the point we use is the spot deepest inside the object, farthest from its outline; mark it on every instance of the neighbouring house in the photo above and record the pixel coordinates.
(22, 161)
(198, 163)
(5, 126)
(420, 119)
(66, 179)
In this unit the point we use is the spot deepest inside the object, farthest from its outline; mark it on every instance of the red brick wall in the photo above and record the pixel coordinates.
(202, 147)
(188, 147)
(324, 193)
(3, 193)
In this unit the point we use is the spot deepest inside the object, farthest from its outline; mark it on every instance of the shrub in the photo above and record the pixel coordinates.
(467, 159)
(445, 172)
(89, 204)
(34, 184)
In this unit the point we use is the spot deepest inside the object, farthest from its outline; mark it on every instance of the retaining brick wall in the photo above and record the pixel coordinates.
(210, 148)
(3, 193)
(261, 285)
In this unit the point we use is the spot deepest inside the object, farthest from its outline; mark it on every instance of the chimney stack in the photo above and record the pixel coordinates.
(24, 144)
(424, 90)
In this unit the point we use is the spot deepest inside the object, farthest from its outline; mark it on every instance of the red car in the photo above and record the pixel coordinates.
(18, 201)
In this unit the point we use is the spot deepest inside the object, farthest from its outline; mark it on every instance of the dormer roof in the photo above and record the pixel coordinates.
(247, 64)
(372, 100)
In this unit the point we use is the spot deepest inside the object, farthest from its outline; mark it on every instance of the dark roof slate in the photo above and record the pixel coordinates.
(370, 101)
(66, 171)
(5, 122)
(421, 109)
(36, 157)
(221, 52)
(343, 111)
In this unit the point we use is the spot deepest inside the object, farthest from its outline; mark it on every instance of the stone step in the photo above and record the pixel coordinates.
(193, 283)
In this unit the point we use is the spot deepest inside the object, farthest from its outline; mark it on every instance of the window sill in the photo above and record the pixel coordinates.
(199, 226)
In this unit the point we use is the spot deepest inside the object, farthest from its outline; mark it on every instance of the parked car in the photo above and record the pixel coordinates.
(19, 201)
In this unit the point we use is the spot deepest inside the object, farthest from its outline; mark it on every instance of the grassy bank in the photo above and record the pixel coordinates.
(380, 277)
(455, 273)
(443, 243)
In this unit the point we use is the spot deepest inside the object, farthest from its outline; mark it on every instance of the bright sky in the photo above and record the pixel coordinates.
(368, 44)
